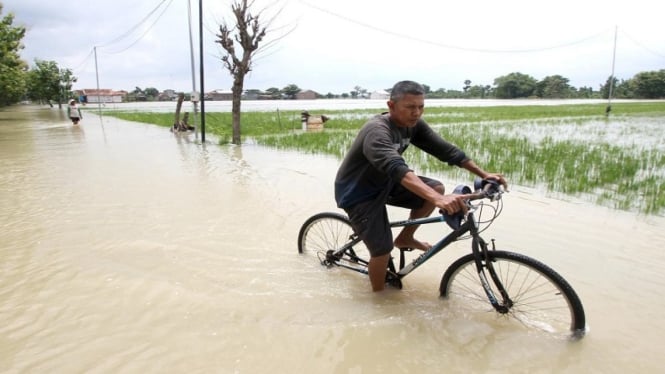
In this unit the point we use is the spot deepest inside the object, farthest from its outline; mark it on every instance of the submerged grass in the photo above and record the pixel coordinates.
(566, 149)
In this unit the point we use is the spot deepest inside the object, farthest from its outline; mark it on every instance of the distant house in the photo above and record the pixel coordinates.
(252, 94)
(379, 95)
(219, 95)
(167, 95)
(104, 95)
(306, 95)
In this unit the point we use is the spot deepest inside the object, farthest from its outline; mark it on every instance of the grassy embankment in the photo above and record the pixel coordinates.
(568, 149)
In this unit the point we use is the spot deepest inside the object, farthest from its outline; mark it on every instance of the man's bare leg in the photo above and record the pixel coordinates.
(377, 268)
(405, 238)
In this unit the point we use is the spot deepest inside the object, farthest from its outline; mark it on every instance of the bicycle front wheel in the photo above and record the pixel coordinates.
(539, 297)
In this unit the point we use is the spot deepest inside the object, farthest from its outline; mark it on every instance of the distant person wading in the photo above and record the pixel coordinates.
(73, 112)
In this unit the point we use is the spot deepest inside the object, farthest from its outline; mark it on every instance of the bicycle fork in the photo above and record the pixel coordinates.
(483, 266)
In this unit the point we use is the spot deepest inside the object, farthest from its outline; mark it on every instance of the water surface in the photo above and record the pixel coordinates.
(126, 248)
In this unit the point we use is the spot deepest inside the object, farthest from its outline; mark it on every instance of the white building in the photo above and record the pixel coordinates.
(379, 95)
(102, 95)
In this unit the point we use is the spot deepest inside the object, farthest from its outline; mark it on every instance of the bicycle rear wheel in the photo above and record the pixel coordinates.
(326, 232)
(541, 298)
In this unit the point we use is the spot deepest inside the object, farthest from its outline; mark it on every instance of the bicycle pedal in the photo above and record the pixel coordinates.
(393, 281)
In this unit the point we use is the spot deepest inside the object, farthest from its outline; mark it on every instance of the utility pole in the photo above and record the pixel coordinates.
(203, 100)
(614, 56)
(99, 97)
(193, 96)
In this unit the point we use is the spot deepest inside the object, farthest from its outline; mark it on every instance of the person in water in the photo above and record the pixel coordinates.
(374, 173)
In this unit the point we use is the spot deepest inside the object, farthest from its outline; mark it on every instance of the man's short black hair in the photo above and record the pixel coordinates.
(406, 88)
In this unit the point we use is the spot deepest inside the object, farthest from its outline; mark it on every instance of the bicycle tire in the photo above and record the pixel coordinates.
(541, 298)
(328, 231)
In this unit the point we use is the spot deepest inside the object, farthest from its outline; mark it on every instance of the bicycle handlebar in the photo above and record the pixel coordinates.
(485, 189)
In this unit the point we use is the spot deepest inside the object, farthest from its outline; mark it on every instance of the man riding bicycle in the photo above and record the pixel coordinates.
(374, 173)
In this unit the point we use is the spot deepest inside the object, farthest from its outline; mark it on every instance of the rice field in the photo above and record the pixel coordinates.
(569, 151)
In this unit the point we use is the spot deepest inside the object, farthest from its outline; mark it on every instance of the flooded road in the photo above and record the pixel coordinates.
(126, 248)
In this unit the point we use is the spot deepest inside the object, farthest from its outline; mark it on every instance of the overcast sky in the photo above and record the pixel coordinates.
(333, 46)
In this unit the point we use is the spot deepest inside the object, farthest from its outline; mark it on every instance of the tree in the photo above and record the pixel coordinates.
(585, 92)
(605, 89)
(248, 33)
(554, 87)
(478, 91)
(44, 82)
(290, 91)
(514, 85)
(467, 85)
(151, 93)
(625, 89)
(12, 68)
(67, 79)
(274, 92)
(649, 84)
(360, 92)
(137, 95)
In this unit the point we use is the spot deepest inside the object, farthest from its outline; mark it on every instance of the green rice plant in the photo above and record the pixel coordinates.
(580, 168)
(220, 123)
(326, 142)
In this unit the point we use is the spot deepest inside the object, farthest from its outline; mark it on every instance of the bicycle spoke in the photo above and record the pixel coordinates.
(326, 233)
(540, 298)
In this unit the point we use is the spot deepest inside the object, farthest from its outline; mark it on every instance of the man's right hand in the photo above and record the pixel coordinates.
(452, 204)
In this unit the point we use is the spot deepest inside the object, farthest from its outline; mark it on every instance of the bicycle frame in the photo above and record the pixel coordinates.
(469, 225)
(478, 246)
(405, 269)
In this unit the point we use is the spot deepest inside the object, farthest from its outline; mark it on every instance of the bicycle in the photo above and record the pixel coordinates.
(511, 284)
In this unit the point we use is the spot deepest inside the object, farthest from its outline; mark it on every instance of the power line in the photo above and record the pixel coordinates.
(133, 28)
(84, 62)
(146, 30)
(451, 46)
(655, 53)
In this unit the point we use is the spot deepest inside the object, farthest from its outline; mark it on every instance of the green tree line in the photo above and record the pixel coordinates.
(44, 82)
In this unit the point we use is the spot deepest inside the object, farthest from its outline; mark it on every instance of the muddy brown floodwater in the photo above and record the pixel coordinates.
(126, 248)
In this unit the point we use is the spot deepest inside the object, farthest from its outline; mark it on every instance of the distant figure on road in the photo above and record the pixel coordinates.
(73, 112)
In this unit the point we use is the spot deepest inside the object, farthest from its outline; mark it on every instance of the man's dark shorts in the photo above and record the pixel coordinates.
(370, 219)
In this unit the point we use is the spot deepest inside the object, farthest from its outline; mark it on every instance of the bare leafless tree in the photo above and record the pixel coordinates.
(240, 44)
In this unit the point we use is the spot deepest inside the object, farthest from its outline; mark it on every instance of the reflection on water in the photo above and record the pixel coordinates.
(127, 248)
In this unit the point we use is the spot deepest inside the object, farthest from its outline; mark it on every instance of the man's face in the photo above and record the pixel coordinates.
(407, 112)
